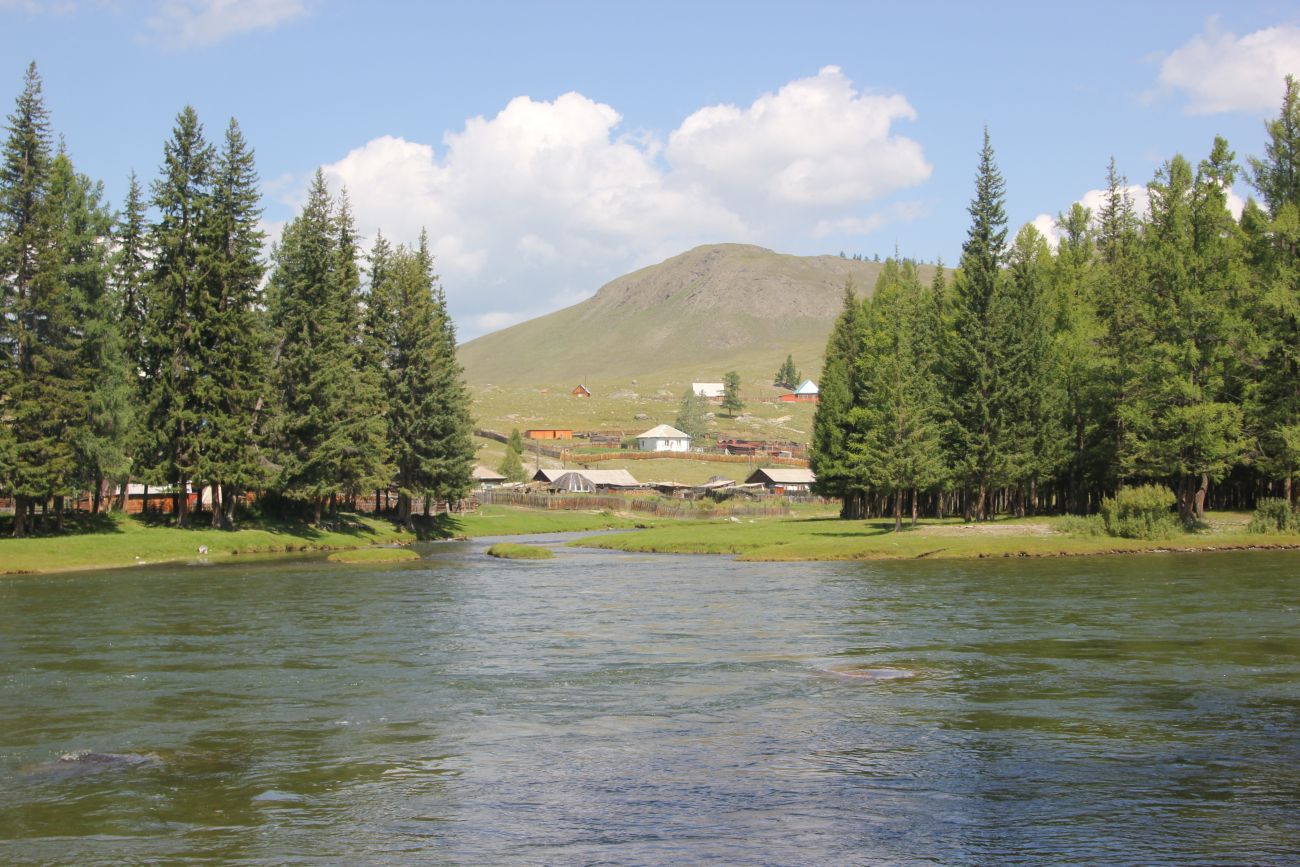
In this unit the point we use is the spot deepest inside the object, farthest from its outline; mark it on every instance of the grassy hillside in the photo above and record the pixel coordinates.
(692, 318)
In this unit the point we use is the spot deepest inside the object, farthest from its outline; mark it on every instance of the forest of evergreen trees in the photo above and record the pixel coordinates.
(1147, 348)
(152, 346)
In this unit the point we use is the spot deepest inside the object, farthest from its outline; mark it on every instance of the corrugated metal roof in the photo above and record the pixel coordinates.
(663, 431)
(600, 478)
(783, 476)
(806, 387)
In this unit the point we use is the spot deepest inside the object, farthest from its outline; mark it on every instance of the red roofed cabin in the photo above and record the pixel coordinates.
(548, 434)
(581, 391)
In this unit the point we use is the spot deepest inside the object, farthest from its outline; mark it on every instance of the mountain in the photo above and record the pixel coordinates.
(693, 317)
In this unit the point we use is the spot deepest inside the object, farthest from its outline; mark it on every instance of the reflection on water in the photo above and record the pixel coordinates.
(630, 709)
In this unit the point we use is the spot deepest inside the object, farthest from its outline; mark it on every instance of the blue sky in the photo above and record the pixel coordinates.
(550, 147)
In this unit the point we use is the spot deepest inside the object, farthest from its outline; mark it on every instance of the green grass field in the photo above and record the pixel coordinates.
(118, 540)
(828, 538)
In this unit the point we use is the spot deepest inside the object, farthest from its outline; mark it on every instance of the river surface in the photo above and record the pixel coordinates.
(626, 709)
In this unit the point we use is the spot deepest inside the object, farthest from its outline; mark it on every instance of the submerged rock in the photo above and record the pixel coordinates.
(79, 763)
(874, 673)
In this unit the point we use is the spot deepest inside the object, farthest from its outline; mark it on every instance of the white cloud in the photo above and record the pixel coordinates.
(539, 205)
(184, 23)
(1221, 71)
(816, 141)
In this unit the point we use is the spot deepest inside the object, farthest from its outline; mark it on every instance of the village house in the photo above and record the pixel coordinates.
(711, 390)
(806, 393)
(487, 479)
(783, 480)
(663, 438)
(586, 481)
(581, 391)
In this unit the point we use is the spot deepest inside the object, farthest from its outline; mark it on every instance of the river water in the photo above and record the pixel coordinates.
(613, 708)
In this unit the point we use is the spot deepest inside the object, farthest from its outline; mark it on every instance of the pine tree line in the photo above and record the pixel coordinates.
(1162, 347)
(150, 346)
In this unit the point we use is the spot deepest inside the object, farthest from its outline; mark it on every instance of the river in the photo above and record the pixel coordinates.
(613, 708)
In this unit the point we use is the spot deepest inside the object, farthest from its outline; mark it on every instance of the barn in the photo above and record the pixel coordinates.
(783, 480)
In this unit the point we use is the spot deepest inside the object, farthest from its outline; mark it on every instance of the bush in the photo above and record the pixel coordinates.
(1273, 515)
(1081, 525)
(1140, 513)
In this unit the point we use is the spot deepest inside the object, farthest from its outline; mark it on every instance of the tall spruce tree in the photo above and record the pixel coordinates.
(101, 430)
(314, 376)
(129, 277)
(1028, 376)
(691, 415)
(180, 300)
(428, 406)
(235, 339)
(837, 473)
(975, 400)
(42, 379)
(896, 424)
(731, 400)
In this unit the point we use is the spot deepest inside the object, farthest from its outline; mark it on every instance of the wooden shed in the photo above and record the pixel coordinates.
(548, 434)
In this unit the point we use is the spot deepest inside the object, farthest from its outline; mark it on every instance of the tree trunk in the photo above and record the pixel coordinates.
(317, 507)
(898, 510)
(981, 503)
(58, 513)
(217, 513)
(1201, 491)
(1289, 490)
(229, 499)
(98, 497)
(122, 495)
(20, 517)
(915, 496)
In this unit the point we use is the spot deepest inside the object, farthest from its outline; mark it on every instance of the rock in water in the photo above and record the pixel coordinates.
(80, 763)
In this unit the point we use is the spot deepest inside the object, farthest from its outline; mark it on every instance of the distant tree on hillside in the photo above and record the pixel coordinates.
(731, 401)
(512, 466)
(516, 441)
(691, 415)
(787, 376)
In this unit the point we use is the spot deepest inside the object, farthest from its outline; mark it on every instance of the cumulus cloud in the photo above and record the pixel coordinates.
(540, 204)
(1220, 71)
(185, 23)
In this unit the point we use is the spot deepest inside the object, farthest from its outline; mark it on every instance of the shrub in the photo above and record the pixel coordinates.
(1081, 525)
(1140, 513)
(1273, 515)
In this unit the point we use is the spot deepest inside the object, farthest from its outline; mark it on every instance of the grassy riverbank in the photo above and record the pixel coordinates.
(832, 539)
(114, 541)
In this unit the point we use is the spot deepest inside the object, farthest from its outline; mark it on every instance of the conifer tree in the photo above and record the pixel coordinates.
(787, 376)
(837, 474)
(731, 401)
(101, 427)
(41, 380)
(1275, 244)
(975, 401)
(235, 339)
(428, 407)
(179, 301)
(1185, 430)
(1028, 375)
(313, 375)
(512, 466)
(897, 432)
